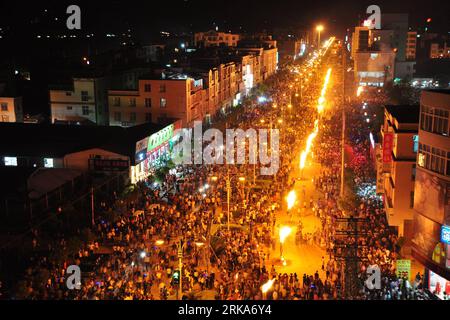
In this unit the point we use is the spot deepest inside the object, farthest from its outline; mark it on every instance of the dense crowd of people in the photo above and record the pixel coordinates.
(136, 256)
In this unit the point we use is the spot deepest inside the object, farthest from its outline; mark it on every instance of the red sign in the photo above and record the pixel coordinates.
(108, 164)
(388, 142)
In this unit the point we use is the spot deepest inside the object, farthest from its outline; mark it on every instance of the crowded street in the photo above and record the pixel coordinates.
(226, 232)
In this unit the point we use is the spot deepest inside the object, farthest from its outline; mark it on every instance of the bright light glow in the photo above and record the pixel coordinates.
(10, 161)
(262, 99)
(267, 286)
(291, 197)
(284, 233)
(143, 254)
(241, 179)
(359, 91)
(319, 28)
(48, 162)
(159, 242)
(320, 108)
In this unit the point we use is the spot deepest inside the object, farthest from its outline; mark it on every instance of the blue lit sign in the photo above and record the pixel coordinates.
(445, 234)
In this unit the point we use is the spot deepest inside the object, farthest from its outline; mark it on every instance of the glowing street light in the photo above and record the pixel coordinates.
(158, 243)
(319, 29)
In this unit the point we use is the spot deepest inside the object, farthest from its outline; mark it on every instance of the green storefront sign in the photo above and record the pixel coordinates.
(404, 269)
(160, 137)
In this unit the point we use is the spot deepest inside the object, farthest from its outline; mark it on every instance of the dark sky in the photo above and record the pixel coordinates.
(251, 15)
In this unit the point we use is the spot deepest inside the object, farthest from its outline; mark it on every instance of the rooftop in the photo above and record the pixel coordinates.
(404, 113)
(55, 141)
(443, 91)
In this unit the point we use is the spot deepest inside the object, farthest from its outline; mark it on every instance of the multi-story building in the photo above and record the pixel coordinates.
(398, 23)
(290, 50)
(11, 109)
(439, 51)
(374, 68)
(176, 95)
(399, 149)
(431, 242)
(85, 99)
(361, 40)
(411, 45)
(215, 39)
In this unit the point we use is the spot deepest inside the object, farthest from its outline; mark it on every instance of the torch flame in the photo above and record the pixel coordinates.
(359, 91)
(284, 233)
(267, 286)
(291, 199)
(312, 135)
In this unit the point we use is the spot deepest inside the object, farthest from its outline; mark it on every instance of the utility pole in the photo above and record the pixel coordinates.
(349, 252)
(92, 207)
(343, 124)
(228, 199)
(180, 266)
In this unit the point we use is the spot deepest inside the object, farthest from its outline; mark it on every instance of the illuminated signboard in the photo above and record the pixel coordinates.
(160, 137)
(445, 234)
(388, 142)
(416, 143)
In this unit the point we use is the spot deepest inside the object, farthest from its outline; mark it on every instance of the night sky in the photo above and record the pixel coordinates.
(145, 17)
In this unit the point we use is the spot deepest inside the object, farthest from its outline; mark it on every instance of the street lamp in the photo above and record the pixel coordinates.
(228, 186)
(319, 29)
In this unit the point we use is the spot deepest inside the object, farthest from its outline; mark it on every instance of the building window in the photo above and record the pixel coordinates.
(4, 106)
(148, 117)
(68, 94)
(433, 159)
(434, 120)
(69, 107)
(48, 162)
(148, 102)
(163, 103)
(85, 110)
(84, 96)
(133, 117)
(132, 102)
(147, 87)
(116, 101)
(162, 88)
(117, 116)
(10, 161)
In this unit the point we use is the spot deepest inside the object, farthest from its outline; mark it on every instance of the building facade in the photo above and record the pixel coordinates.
(170, 96)
(431, 242)
(215, 39)
(86, 99)
(411, 45)
(399, 146)
(374, 68)
(11, 109)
